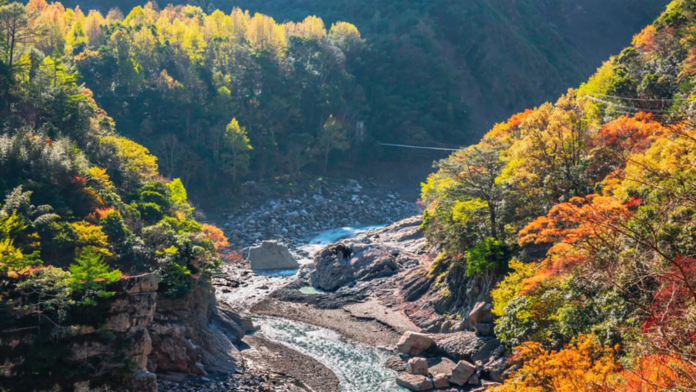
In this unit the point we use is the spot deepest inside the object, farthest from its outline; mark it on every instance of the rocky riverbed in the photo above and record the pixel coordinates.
(323, 205)
(359, 288)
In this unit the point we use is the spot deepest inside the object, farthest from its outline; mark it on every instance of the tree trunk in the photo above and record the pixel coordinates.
(494, 229)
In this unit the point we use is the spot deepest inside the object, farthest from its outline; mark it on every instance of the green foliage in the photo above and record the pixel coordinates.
(175, 279)
(90, 275)
(47, 294)
(150, 212)
(12, 259)
(333, 136)
(487, 256)
(238, 146)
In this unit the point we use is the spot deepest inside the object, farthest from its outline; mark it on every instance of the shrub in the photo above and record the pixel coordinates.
(489, 255)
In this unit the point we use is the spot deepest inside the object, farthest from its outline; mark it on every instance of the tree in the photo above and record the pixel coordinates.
(300, 150)
(239, 146)
(15, 30)
(91, 275)
(475, 171)
(47, 293)
(333, 136)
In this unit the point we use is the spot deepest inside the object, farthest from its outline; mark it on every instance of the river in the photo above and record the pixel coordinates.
(359, 367)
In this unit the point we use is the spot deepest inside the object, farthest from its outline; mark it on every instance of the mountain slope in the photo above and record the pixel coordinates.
(445, 71)
(98, 253)
(579, 215)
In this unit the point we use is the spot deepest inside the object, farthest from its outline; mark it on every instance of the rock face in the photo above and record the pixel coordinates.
(414, 343)
(414, 382)
(362, 259)
(339, 264)
(271, 255)
(191, 336)
(125, 317)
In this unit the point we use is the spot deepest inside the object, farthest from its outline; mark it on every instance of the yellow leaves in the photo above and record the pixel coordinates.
(435, 186)
(312, 27)
(667, 159)
(463, 211)
(100, 178)
(344, 35)
(264, 33)
(92, 237)
(135, 160)
(581, 366)
(512, 286)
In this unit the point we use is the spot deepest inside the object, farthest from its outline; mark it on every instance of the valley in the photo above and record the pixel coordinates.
(205, 199)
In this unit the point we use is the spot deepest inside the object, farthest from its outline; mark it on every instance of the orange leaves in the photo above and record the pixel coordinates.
(583, 365)
(656, 373)
(216, 235)
(645, 40)
(576, 229)
(630, 134)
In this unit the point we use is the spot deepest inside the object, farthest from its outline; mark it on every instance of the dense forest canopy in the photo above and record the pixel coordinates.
(213, 95)
(427, 73)
(444, 71)
(585, 207)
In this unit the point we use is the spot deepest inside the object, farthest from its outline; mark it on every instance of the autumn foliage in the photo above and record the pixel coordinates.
(581, 366)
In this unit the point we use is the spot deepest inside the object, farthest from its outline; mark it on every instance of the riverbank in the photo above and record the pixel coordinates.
(315, 206)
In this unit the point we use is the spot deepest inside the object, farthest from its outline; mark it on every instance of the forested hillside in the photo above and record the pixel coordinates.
(585, 207)
(319, 92)
(446, 70)
(82, 208)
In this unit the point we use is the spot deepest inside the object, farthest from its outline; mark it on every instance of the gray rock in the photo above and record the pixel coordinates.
(441, 365)
(271, 255)
(441, 380)
(332, 267)
(484, 329)
(396, 363)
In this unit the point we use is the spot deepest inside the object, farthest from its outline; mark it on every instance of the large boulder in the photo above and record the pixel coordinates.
(417, 366)
(332, 267)
(414, 343)
(441, 365)
(462, 373)
(468, 346)
(414, 382)
(481, 318)
(270, 255)
(480, 313)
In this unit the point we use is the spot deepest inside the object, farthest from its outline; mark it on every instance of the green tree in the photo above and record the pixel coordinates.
(91, 275)
(46, 295)
(238, 147)
(333, 136)
(15, 30)
(476, 171)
